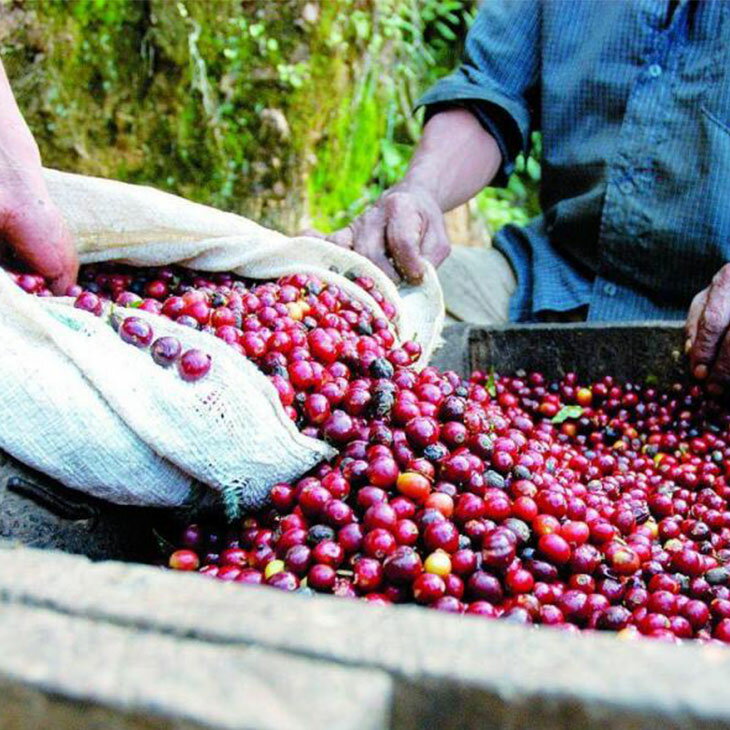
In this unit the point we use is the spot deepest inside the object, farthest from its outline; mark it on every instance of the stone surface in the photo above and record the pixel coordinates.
(36, 511)
(67, 672)
(39, 512)
(448, 671)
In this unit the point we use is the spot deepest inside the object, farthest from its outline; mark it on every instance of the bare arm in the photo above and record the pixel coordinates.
(29, 221)
(454, 160)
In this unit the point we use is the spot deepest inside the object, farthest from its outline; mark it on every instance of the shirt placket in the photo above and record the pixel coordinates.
(630, 180)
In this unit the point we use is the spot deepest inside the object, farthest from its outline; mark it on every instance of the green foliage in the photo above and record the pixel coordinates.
(220, 101)
(289, 111)
(519, 200)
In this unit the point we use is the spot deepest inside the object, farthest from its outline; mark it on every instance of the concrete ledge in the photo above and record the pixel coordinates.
(64, 671)
(448, 671)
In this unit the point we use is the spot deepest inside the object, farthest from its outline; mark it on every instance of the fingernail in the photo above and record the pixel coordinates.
(715, 389)
(687, 346)
(701, 372)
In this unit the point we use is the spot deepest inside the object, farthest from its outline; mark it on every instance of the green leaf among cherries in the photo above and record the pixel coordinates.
(567, 412)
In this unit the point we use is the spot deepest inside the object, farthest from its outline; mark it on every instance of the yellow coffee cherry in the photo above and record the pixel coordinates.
(296, 311)
(438, 563)
(274, 567)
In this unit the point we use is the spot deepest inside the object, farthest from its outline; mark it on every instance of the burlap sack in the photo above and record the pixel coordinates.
(99, 416)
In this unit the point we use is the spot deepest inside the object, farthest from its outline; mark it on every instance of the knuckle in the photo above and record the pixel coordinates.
(711, 321)
(341, 237)
(367, 215)
(404, 246)
(399, 202)
(371, 220)
(393, 204)
(436, 218)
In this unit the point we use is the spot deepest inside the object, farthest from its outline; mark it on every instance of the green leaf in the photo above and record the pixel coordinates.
(445, 31)
(567, 412)
(651, 379)
(517, 186)
(492, 383)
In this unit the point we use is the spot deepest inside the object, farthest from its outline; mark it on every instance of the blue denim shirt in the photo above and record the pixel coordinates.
(633, 101)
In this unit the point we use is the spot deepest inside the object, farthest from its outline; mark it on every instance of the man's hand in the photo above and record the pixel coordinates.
(401, 231)
(454, 160)
(30, 223)
(708, 340)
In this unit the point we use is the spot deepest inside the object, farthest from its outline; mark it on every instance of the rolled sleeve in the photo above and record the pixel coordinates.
(498, 78)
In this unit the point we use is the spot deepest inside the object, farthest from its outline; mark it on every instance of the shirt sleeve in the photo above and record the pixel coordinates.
(498, 77)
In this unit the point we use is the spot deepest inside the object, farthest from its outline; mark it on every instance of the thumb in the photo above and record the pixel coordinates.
(38, 235)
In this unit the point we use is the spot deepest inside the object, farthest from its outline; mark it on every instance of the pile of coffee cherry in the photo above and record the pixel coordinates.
(583, 506)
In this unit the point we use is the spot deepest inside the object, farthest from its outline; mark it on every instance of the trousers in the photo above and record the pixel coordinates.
(478, 283)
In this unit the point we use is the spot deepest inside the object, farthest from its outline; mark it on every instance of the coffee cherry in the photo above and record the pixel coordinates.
(378, 543)
(194, 365)
(441, 535)
(428, 588)
(422, 432)
(368, 575)
(414, 486)
(403, 565)
(283, 580)
(136, 331)
(89, 303)
(165, 351)
(438, 563)
(321, 577)
(499, 549)
(554, 548)
(184, 560)
(383, 472)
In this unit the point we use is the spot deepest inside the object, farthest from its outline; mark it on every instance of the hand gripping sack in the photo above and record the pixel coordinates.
(99, 416)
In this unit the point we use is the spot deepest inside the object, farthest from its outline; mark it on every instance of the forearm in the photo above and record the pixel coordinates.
(455, 159)
(20, 162)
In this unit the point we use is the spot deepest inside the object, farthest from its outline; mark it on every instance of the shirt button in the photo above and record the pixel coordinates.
(655, 70)
(626, 186)
(609, 290)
